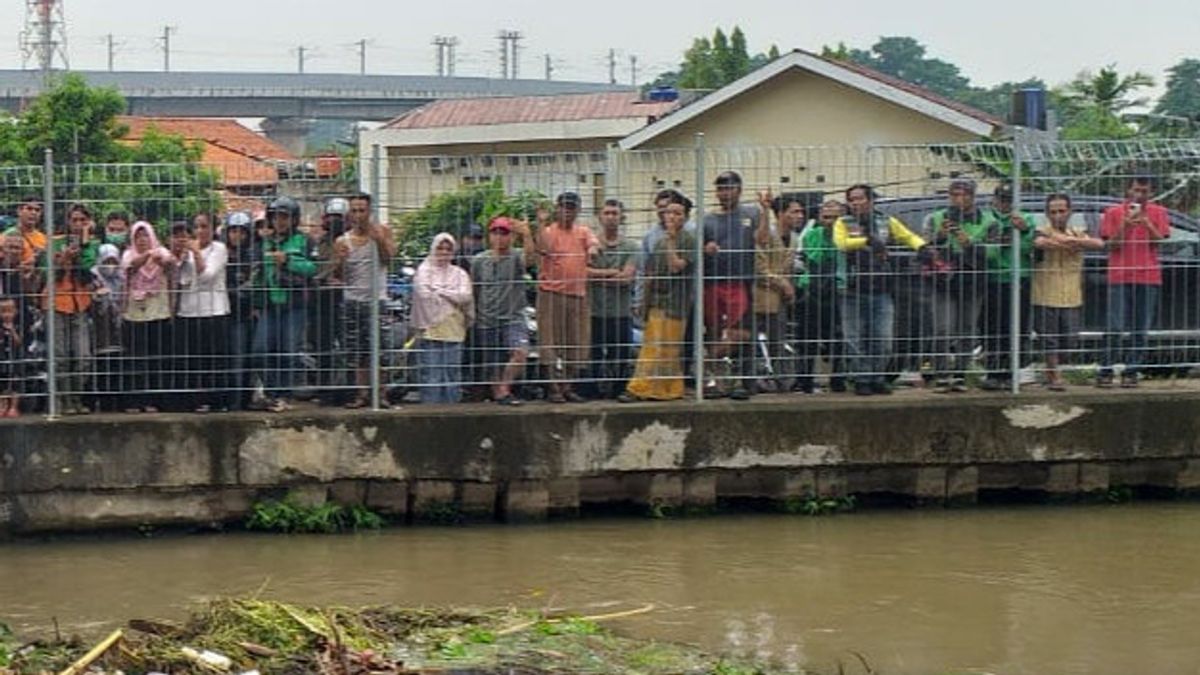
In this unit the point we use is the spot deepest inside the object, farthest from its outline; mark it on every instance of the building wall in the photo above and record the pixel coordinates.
(415, 174)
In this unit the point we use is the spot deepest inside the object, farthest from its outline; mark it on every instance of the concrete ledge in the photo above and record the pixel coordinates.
(529, 464)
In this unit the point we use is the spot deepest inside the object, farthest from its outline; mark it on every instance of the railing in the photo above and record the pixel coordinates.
(948, 274)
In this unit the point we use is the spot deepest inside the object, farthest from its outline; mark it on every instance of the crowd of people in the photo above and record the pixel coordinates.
(221, 313)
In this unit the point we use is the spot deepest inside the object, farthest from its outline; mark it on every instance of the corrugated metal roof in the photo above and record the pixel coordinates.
(530, 109)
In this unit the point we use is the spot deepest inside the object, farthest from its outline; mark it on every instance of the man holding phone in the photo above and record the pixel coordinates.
(1132, 231)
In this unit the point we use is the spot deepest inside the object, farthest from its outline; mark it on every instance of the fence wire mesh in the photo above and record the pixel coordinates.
(648, 274)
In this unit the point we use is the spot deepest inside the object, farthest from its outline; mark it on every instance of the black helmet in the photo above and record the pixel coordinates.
(285, 205)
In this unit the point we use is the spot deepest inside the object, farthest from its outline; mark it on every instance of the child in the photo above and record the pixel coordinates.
(107, 304)
(11, 345)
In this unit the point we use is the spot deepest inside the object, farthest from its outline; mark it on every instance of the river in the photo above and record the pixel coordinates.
(1002, 590)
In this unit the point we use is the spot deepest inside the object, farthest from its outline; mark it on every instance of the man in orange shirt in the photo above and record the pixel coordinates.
(564, 320)
(29, 216)
(73, 287)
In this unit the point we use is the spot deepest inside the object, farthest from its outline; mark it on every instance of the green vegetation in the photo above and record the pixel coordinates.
(1119, 494)
(455, 212)
(812, 505)
(157, 178)
(712, 63)
(289, 516)
(273, 637)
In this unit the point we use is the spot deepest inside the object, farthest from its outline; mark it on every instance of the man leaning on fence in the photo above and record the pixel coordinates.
(1058, 284)
(286, 269)
(954, 282)
(1133, 230)
(731, 236)
(362, 256)
(610, 280)
(565, 248)
(867, 238)
(498, 280)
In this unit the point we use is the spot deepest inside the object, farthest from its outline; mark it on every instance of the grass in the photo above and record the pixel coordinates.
(289, 516)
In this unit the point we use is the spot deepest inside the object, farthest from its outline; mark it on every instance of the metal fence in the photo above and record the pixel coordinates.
(950, 267)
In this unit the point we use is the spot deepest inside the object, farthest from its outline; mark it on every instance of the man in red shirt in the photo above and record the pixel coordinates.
(564, 321)
(1132, 231)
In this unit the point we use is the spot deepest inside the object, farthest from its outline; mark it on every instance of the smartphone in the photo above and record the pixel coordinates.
(1135, 208)
(73, 241)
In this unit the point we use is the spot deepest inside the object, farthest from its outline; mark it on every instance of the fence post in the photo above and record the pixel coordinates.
(51, 319)
(376, 260)
(1014, 286)
(698, 302)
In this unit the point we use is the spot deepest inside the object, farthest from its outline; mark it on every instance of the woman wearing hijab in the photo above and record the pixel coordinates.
(442, 307)
(668, 296)
(147, 266)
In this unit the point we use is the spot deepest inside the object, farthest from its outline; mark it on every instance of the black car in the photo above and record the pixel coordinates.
(1174, 340)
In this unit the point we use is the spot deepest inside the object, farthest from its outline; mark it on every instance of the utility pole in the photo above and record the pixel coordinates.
(362, 56)
(509, 49)
(300, 58)
(633, 69)
(612, 66)
(549, 68)
(450, 57)
(166, 44)
(110, 52)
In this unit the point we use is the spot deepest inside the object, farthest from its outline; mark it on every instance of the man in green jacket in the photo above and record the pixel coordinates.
(997, 312)
(286, 271)
(818, 323)
(955, 283)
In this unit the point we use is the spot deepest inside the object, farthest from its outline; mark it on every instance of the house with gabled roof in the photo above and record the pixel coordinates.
(802, 121)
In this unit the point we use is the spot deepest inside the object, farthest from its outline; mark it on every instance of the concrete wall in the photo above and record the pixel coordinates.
(85, 474)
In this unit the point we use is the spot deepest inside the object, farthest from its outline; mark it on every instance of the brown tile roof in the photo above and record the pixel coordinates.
(229, 147)
(527, 109)
(914, 89)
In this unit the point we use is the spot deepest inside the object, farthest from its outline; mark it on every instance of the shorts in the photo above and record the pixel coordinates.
(357, 342)
(726, 305)
(1057, 327)
(496, 344)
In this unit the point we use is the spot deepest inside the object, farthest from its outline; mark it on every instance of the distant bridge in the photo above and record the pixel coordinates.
(287, 96)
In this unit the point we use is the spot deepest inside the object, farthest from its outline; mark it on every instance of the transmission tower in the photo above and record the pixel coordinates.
(44, 36)
(445, 55)
(510, 66)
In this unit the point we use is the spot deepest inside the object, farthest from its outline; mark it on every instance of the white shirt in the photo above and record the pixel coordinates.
(203, 295)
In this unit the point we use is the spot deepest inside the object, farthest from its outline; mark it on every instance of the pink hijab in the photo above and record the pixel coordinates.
(439, 288)
(150, 278)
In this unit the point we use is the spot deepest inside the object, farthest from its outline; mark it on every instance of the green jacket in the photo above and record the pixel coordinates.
(285, 284)
(820, 261)
(1000, 247)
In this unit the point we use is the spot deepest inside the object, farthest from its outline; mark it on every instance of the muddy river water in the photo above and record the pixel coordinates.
(1003, 590)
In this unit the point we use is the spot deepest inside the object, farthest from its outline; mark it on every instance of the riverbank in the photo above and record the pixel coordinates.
(249, 635)
(541, 461)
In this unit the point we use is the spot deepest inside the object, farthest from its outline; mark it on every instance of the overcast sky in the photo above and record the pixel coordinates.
(990, 42)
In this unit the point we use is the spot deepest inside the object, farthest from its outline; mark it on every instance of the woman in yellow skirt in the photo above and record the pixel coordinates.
(667, 298)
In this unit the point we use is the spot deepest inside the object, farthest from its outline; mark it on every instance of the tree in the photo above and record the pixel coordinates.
(997, 100)
(1182, 97)
(158, 178)
(904, 58)
(1092, 105)
(714, 63)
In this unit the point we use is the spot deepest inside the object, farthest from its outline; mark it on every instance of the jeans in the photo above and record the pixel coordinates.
(997, 328)
(955, 328)
(441, 371)
(1131, 309)
(240, 341)
(868, 324)
(612, 353)
(72, 355)
(277, 347)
